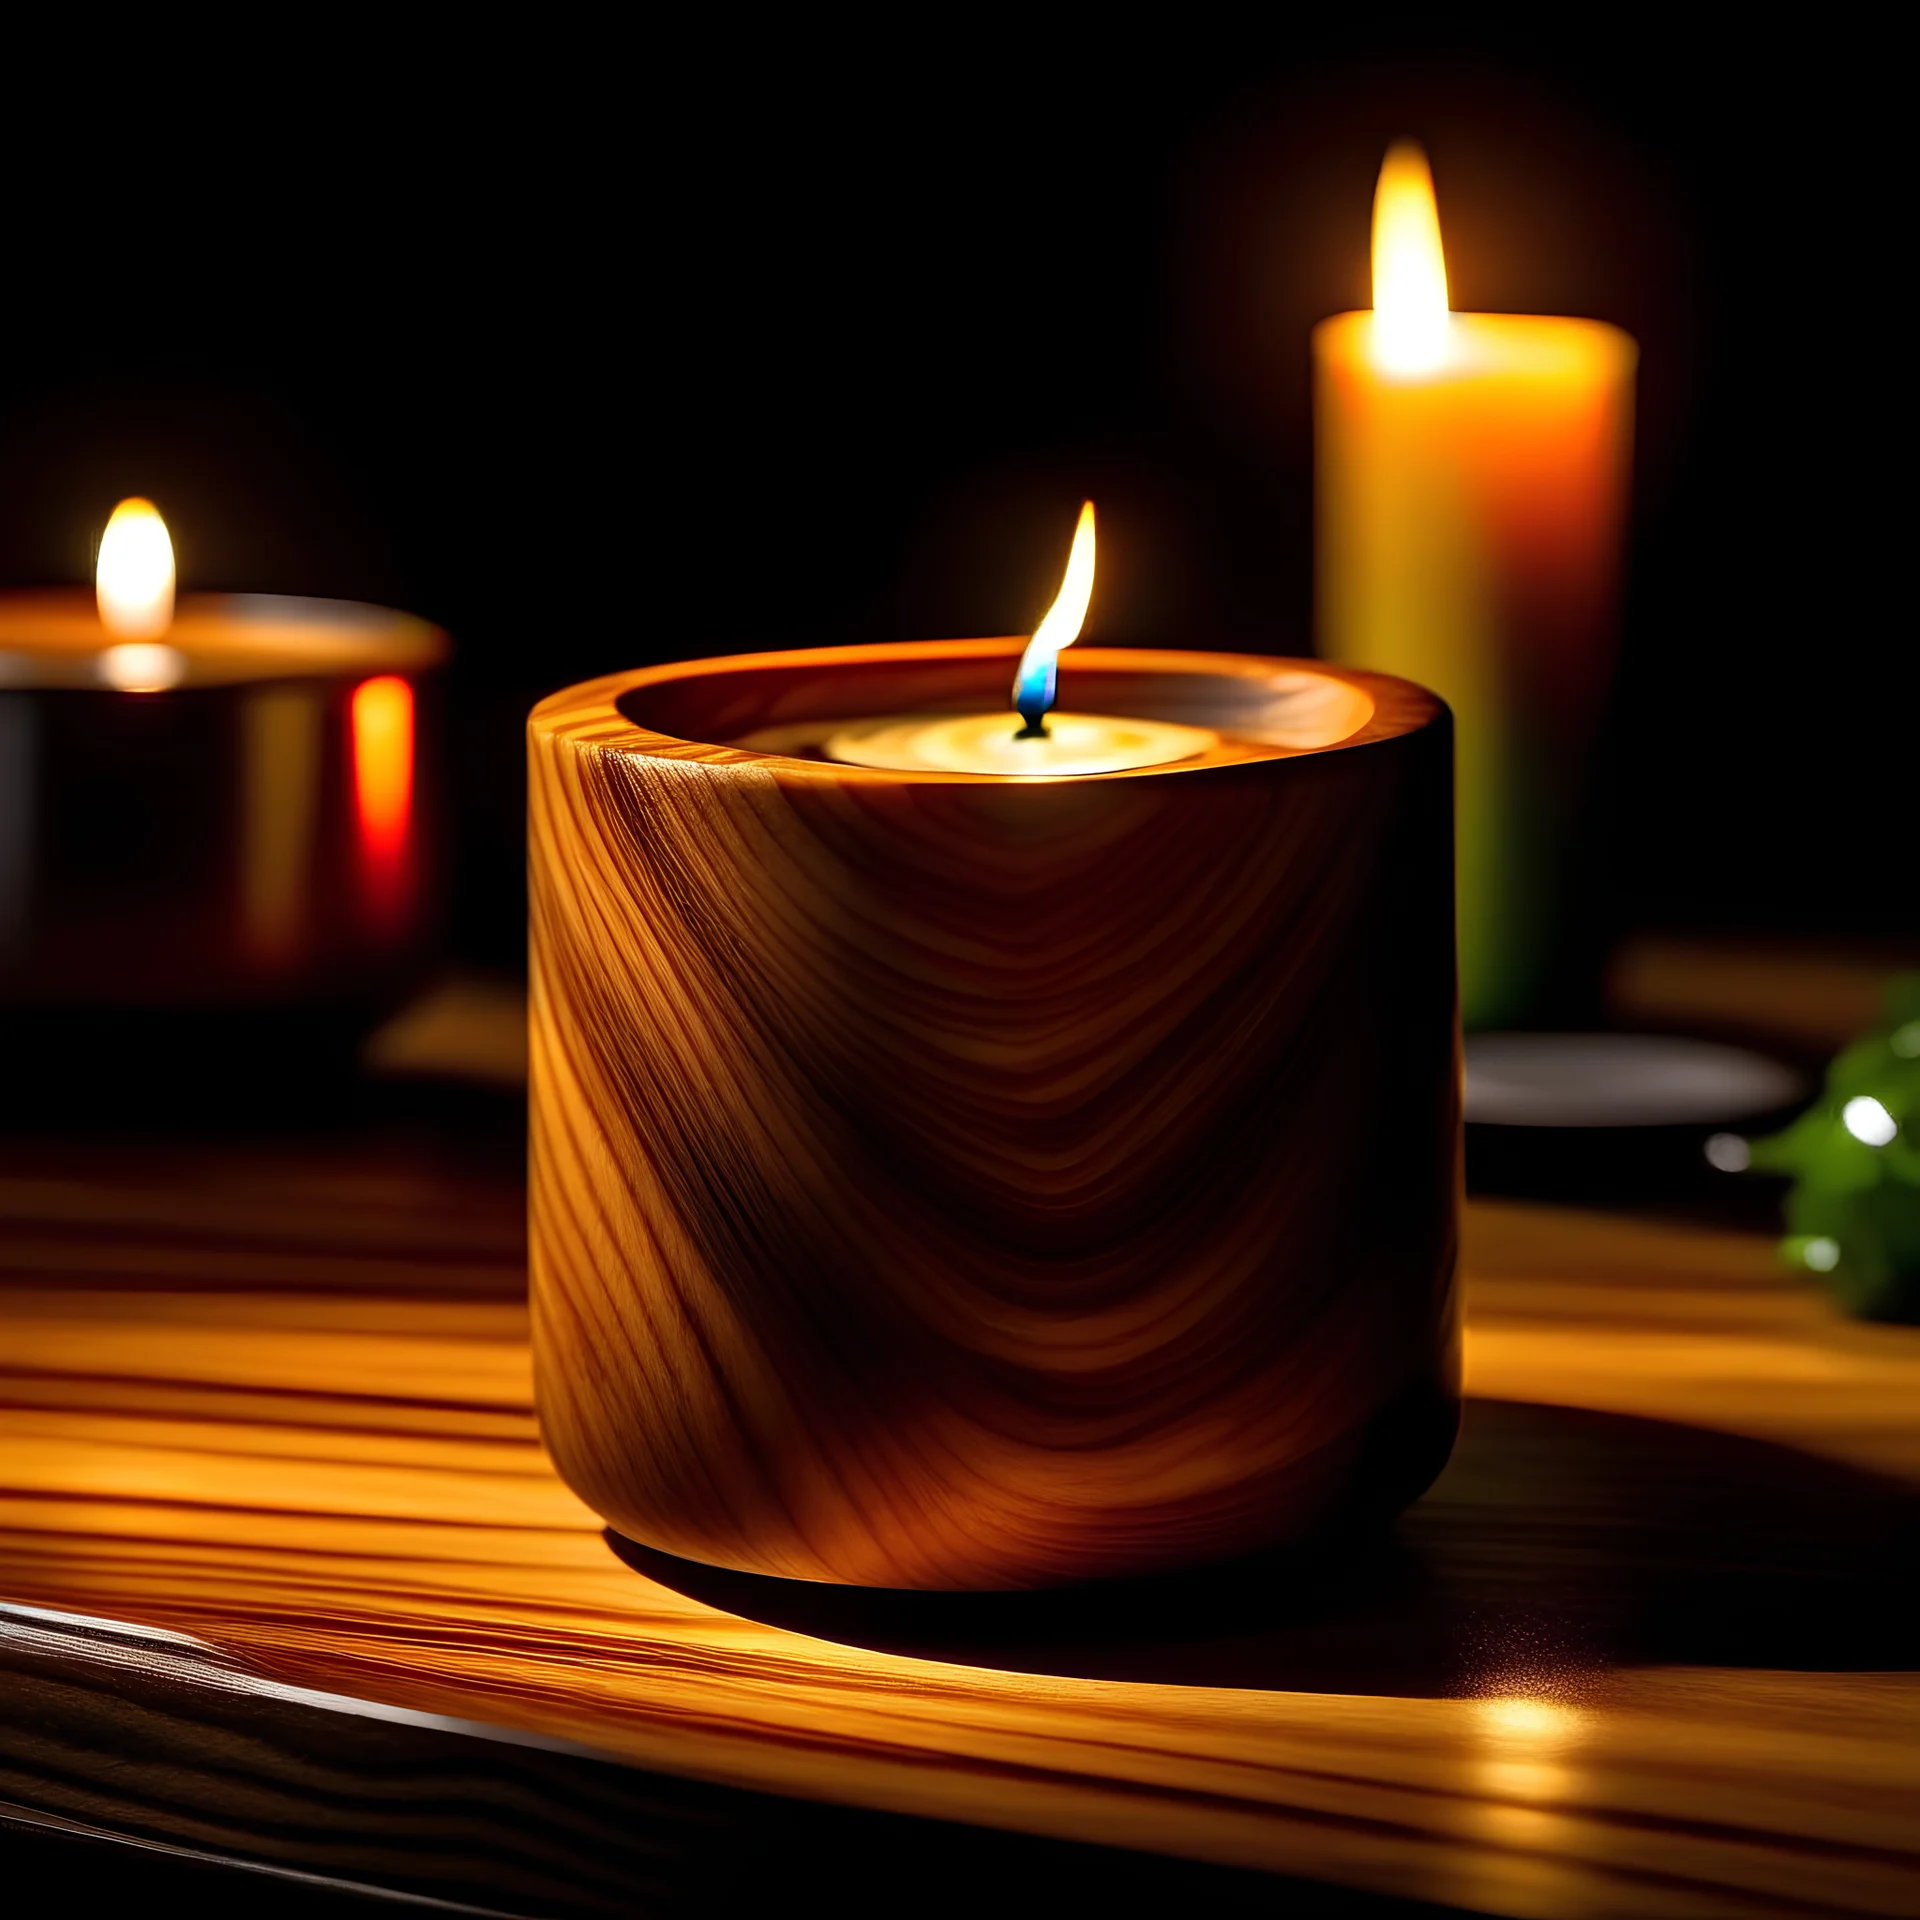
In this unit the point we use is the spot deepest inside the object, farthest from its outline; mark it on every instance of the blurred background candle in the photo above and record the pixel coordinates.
(1471, 487)
(211, 813)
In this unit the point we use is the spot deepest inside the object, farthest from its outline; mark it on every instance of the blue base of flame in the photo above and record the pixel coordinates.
(1034, 687)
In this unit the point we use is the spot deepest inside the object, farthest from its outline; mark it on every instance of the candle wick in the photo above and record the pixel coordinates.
(1034, 687)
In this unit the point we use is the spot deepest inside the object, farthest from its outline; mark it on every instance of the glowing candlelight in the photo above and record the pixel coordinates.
(1023, 743)
(382, 723)
(1038, 680)
(1410, 313)
(1471, 492)
(133, 580)
(275, 799)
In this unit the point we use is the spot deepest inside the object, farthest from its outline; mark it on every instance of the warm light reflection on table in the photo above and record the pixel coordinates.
(382, 722)
(304, 1432)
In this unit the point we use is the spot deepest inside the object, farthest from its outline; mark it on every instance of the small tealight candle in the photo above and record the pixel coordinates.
(1029, 741)
(208, 804)
(988, 743)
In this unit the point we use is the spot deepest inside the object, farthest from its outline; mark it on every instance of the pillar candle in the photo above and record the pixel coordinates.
(1471, 493)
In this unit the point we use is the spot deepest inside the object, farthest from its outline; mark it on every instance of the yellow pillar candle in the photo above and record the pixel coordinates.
(1472, 473)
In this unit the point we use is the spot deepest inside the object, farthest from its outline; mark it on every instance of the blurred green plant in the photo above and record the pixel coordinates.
(1853, 1214)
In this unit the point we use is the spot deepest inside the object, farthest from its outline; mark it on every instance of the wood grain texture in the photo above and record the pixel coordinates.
(945, 1182)
(1647, 1647)
(152, 1761)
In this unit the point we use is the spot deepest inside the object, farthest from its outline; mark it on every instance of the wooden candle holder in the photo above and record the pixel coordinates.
(956, 1182)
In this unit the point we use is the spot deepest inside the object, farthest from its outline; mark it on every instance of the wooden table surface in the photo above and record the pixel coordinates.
(1648, 1647)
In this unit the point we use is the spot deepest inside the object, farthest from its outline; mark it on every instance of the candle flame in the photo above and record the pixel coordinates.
(1409, 269)
(1038, 678)
(133, 577)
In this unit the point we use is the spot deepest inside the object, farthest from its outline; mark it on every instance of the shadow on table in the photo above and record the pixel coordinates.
(1557, 1544)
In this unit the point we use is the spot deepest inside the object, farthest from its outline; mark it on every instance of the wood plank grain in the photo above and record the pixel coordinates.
(155, 1748)
(1801, 994)
(1646, 1647)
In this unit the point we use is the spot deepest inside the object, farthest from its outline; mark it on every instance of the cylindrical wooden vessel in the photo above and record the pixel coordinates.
(945, 1181)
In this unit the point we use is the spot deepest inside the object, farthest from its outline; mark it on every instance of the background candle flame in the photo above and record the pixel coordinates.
(1410, 310)
(133, 576)
(1036, 682)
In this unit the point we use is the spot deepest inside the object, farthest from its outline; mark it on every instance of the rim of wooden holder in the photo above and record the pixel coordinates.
(596, 712)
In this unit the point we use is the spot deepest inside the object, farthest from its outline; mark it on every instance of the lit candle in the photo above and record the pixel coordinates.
(949, 1180)
(1028, 741)
(1472, 483)
(1230, 710)
(206, 803)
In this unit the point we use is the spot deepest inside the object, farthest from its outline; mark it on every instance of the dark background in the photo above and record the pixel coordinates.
(606, 350)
